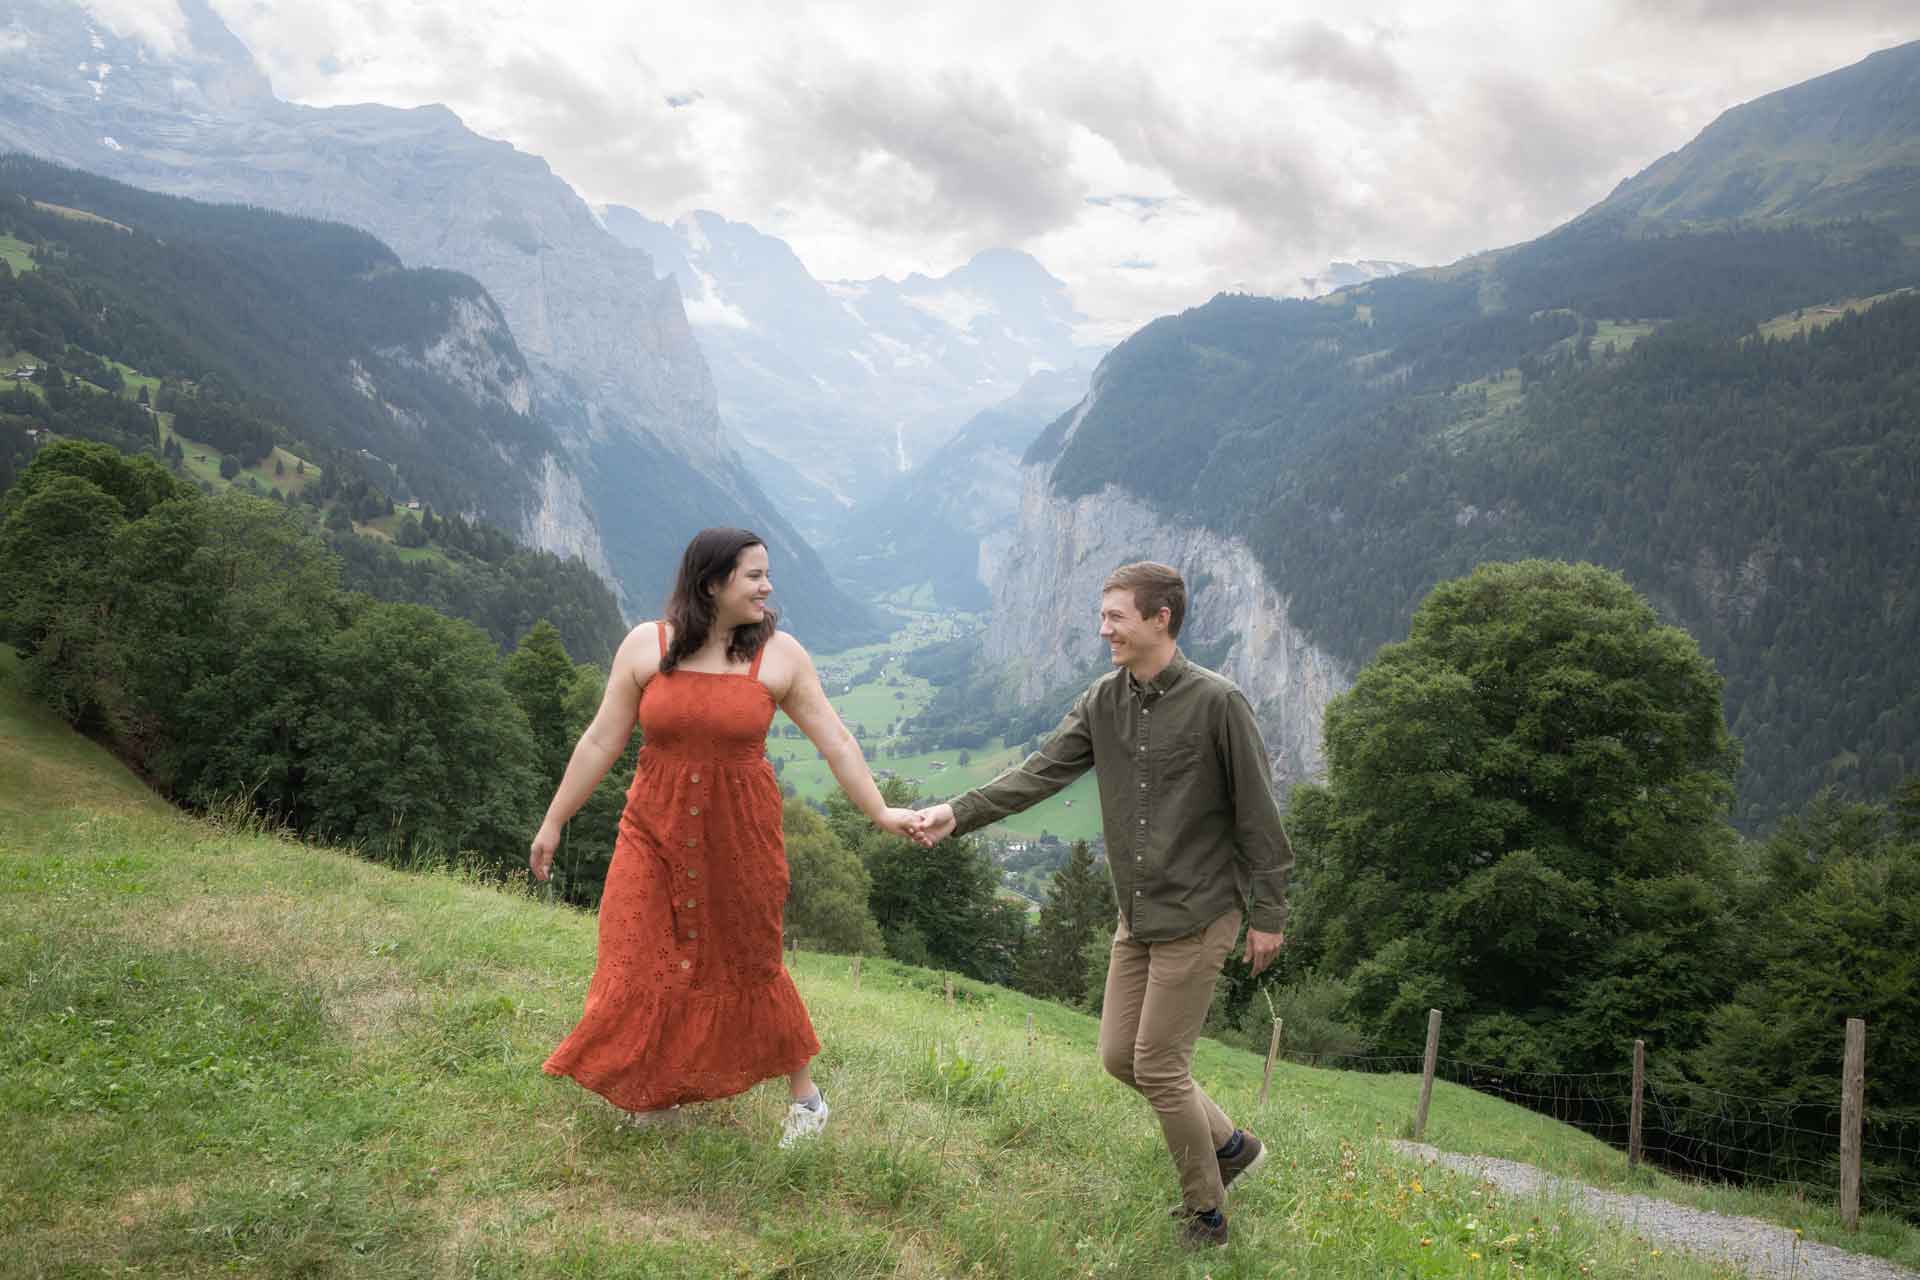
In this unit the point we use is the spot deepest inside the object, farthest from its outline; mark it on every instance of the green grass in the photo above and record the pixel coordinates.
(230, 1052)
(17, 253)
(1808, 319)
(203, 464)
(1620, 335)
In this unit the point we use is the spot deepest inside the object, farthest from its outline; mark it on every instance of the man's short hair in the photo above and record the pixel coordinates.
(1155, 586)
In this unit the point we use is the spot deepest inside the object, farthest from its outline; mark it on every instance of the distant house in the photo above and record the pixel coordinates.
(936, 765)
(413, 504)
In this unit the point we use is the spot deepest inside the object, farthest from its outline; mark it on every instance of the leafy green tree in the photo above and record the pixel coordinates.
(235, 599)
(828, 887)
(1523, 823)
(937, 906)
(56, 589)
(415, 746)
(1079, 907)
(1834, 934)
(540, 675)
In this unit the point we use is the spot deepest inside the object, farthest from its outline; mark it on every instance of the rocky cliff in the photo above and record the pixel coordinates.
(1046, 595)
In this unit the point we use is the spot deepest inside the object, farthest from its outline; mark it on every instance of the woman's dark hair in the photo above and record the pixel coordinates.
(709, 561)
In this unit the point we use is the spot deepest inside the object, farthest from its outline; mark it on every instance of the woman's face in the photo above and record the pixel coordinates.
(742, 600)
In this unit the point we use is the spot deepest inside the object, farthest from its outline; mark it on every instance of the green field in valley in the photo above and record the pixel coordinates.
(874, 709)
(16, 253)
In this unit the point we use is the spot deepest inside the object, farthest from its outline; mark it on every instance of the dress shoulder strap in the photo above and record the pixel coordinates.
(661, 627)
(754, 671)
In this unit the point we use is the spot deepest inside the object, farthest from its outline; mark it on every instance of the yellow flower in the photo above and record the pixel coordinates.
(1417, 1188)
(1425, 1241)
(1473, 1257)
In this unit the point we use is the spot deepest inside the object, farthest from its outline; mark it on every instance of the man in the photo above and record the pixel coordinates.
(1193, 841)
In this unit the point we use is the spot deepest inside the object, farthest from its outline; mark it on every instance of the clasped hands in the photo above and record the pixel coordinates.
(925, 827)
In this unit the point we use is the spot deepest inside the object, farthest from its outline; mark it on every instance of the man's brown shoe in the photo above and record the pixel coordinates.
(1252, 1155)
(1199, 1233)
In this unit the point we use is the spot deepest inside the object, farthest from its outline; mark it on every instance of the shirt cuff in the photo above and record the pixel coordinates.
(1268, 917)
(969, 813)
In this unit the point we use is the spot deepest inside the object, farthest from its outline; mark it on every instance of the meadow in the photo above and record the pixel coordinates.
(874, 707)
(231, 1052)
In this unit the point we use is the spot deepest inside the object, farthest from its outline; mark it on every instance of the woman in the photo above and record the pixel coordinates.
(689, 999)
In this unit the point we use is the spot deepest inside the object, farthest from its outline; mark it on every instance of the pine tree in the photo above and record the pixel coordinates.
(1078, 903)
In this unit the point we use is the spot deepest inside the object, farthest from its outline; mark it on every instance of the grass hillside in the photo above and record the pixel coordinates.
(230, 1052)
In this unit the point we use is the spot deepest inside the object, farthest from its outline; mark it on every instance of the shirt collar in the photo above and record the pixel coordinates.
(1169, 676)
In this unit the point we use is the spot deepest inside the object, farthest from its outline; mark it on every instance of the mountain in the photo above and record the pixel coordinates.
(1722, 412)
(840, 386)
(946, 524)
(1843, 145)
(615, 369)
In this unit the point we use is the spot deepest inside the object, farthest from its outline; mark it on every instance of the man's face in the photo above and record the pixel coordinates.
(1128, 635)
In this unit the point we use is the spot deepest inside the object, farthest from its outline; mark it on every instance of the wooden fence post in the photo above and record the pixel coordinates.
(1426, 1073)
(1273, 1051)
(949, 991)
(856, 973)
(1853, 1088)
(1633, 1114)
(1029, 1031)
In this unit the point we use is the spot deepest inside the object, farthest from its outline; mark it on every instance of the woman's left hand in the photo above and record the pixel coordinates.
(899, 822)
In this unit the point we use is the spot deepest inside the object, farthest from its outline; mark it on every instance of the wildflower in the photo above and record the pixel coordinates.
(1425, 1241)
(1417, 1188)
(1473, 1257)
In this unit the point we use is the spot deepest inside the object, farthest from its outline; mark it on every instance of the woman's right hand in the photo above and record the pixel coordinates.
(540, 857)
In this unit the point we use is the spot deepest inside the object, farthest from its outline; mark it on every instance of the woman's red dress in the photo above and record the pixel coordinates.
(689, 999)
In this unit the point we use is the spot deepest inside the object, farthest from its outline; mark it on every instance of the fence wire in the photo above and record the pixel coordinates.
(1694, 1130)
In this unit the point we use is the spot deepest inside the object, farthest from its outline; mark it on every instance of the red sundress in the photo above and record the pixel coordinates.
(689, 999)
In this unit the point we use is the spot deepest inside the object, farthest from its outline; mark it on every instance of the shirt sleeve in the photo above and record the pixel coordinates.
(1062, 758)
(1260, 838)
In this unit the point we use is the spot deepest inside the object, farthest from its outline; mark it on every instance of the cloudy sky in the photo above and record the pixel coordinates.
(1150, 154)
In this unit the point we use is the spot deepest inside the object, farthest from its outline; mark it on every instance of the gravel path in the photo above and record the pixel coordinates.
(1760, 1248)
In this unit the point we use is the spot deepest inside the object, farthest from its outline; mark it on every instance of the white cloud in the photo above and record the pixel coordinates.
(1228, 145)
(158, 24)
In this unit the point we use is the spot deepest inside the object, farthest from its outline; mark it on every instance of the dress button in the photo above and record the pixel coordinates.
(692, 841)
(1136, 893)
(1143, 822)
(693, 933)
(696, 777)
(690, 904)
(692, 874)
(695, 811)
(1143, 786)
(686, 964)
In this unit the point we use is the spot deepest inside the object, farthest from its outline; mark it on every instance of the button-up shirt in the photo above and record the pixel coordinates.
(1186, 798)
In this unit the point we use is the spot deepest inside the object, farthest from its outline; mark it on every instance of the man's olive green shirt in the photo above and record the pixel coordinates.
(1186, 798)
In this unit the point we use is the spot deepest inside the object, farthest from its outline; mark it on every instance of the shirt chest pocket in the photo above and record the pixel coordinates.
(1183, 759)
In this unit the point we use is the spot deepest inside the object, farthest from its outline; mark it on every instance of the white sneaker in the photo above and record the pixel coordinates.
(804, 1122)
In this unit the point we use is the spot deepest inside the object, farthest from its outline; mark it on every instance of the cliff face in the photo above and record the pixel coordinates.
(1046, 596)
(613, 364)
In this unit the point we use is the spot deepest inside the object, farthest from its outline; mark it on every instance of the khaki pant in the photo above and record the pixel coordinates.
(1156, 1003)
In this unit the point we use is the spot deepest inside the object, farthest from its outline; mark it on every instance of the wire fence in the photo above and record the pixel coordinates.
(1695, 1131)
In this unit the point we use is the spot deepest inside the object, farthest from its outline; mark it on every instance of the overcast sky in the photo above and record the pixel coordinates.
(1149, 154)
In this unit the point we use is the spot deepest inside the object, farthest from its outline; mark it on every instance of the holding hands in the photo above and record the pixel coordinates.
(925, 827)
(932, 825)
